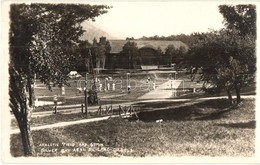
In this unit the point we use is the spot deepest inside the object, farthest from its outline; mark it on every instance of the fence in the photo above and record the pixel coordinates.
(122, 111)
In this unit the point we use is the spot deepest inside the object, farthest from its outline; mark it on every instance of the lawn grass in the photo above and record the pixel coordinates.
(207, 129)
(78, 100)
(116, 99)
(137, 80)
(215, 109)
(59, 117)
(54, 118)
(105, 97)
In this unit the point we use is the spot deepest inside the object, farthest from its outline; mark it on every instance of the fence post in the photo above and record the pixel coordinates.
(106, 109)
(55, 109)
(55, 100)
(119, 110)
(81, 108)
(98, 111)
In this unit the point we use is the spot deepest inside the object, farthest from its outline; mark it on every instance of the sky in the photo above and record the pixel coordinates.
(137, 19)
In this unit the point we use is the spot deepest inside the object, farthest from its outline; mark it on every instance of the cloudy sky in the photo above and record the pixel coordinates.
(137, 19)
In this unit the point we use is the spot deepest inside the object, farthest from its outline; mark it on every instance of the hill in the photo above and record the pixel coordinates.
(94, 32)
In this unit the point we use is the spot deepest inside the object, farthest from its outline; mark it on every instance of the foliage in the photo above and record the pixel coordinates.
(51, 32)
(176, 55)
(99, 50)
(170, 51)
(130, 48)
(240, 17)
(83, 57)
(159, 51)
(226, 59)
(129, 38)
(185, 38)
(44, 40)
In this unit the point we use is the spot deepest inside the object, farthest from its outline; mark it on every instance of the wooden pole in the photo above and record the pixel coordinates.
(119, 110)
(86, 95)
(82, 108)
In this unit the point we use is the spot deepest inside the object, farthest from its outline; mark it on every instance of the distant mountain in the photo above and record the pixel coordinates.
(94, 32)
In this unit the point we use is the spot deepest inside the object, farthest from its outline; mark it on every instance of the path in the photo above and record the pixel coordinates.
(163, 91)
(76, 108)
(63, 124)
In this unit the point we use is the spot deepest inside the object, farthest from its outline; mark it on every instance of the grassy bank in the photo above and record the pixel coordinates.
(207, 129)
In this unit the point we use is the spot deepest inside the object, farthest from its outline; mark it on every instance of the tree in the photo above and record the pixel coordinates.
(240, 17)
(105, 47)
(187, 39)
(99, 51)
(227, 57)
(94, 51)
(129, 38)
(160, 55)
(43, 41)
(179, 56)
(83, 60)
(131, 49)
(227, 60)
(170, 51)
(240, 21)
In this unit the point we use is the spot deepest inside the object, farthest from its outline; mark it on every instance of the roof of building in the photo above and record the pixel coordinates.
(117, 45)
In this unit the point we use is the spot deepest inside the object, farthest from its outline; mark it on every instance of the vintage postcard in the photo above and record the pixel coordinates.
(129, 82)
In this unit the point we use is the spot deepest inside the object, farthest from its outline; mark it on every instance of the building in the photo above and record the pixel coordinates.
(148, 55)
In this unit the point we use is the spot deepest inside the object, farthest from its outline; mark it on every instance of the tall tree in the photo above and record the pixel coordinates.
(83, 59)
(227, 57)
(240, 20)
(227, 60)
(240, 17)
(170, 51)
(159, 55)
(130, 48)
(43, 39)
(179, 56)
(94, 51)
(105, 47)
(99, 51)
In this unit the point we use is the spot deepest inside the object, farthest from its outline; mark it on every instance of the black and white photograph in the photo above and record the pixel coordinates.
(129, 81)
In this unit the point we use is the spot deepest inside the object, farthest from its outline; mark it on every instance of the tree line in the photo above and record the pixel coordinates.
(171, 55)
(225, 59)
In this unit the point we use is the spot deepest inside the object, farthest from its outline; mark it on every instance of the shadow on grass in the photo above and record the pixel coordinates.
(216, 115)
(249, 125)
(207, 110)
(157, 104)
